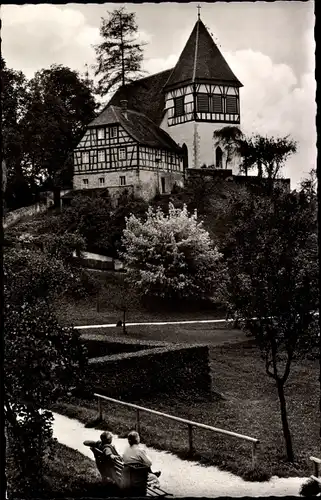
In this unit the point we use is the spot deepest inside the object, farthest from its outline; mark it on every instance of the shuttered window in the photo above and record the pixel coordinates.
(202, 103)
(217, 103)
(179, 106)
(231, 104)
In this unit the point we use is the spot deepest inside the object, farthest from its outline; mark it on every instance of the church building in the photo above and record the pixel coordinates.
(155, 129)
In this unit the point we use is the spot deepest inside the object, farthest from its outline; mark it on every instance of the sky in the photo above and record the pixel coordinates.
(269, 46)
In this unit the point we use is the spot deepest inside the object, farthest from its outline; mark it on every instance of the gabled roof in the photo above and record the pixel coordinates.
(145, 95)
(138, 126)
(201, 60)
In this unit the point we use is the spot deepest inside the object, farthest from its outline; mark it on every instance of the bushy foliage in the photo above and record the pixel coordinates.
(42, 360)
(127, 205)
(62, 247)
(89, 217)
(273, 271)
(172, 256)
(43, 120)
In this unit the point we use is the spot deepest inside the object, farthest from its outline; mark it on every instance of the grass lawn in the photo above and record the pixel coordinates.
(69, 474)
(249, 406)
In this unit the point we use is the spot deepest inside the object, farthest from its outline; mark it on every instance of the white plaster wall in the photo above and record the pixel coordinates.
(149, 182)
(144, 182)
(186, 132)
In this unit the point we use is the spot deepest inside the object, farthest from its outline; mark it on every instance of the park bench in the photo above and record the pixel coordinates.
(316, 475)
(133, 474)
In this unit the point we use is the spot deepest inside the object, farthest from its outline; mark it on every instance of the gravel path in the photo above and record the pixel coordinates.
(180, 477)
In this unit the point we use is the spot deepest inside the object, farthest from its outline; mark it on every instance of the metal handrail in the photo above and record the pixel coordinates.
(190, 424)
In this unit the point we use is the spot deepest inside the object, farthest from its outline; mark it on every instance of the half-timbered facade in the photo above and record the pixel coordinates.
(124, 149)
(155, 128)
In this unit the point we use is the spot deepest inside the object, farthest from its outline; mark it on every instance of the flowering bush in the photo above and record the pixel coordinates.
(172, 256)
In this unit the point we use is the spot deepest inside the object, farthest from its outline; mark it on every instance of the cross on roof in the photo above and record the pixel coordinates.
(199, 11)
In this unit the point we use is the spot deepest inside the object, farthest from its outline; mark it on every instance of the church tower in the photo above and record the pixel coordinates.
(201, 96)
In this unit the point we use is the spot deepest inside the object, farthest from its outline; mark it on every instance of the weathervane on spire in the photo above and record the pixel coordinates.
(199, 11)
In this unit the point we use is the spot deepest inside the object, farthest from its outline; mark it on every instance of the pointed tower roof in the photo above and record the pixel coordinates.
(201, 60)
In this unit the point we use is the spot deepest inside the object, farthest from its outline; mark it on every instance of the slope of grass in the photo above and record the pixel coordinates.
(68, 474)
(249, 406)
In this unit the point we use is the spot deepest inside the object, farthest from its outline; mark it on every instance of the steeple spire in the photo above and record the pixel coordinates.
(199, 11)
(200, 61)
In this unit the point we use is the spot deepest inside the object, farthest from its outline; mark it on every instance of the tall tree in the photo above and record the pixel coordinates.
(267, 154)
(60, 107)
(14, 99)
(273, 269)
(119, 55)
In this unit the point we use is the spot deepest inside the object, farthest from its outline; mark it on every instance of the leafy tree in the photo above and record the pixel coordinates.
(267, 154)
(172, 256)
(14, 100)
(119, 55)
(125, 298)
(89, 217)
(60, 106)
(273, 269)
(229, 138)
(42, 361)
(128, 204)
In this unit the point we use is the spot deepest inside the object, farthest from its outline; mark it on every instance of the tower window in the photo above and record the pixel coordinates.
(217, 103)
(122, 154)
(101, 155)
(179, 106)
(101, 133)
(231, 104)
(202, 101)
(85, 157)
(113, 132)
(85, 182)
(219, 157)
(122, 180)
(101, 181)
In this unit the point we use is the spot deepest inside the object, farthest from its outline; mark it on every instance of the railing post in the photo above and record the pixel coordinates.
(138, 421)
(254, 453)
(100, 410)
(190, 439)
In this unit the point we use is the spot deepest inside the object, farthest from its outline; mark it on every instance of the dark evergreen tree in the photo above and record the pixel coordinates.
(119, 55)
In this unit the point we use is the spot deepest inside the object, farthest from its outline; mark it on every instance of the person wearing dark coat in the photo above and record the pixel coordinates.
(106, 456)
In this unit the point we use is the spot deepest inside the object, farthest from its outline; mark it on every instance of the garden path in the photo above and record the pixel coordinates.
(180, 477)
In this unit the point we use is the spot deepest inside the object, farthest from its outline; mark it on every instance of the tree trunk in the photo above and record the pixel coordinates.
(122, 51)
(285, 424)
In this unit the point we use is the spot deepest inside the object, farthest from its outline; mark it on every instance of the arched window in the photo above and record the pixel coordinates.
(219, 157)
(185, 156)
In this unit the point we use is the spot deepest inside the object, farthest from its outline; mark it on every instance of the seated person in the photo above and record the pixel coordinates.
(105, 455)
(136, 459)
